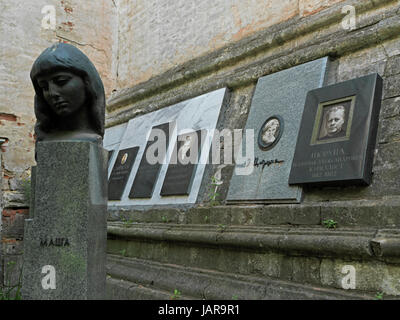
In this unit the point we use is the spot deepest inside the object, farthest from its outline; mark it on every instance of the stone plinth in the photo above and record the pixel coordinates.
(68, 228)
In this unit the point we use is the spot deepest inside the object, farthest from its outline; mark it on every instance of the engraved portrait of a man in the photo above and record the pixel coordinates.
(335, 120)
(334, 124)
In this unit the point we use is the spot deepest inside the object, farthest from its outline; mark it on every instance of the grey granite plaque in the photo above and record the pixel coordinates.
(147, 174)
(275, 117)
(179, 176)
(120, 172)
(338, 131)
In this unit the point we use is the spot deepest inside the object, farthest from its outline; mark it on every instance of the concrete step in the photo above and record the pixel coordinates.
(132, 278)
(309, 255)
(119, 289)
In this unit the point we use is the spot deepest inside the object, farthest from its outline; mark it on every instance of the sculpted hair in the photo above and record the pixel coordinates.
(65, 57)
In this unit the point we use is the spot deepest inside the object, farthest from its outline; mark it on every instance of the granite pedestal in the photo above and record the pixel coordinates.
(67, 229)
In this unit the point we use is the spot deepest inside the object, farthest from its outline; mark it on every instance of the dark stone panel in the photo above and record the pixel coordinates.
(341, 154)
(147, 174)
(179, 176)
(120, 173)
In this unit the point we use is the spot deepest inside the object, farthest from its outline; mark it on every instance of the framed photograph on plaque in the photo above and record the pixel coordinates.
(270, 132)
(333, 121)
(337, 136)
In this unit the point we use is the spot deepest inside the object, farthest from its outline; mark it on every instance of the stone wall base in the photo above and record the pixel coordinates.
(219, 253)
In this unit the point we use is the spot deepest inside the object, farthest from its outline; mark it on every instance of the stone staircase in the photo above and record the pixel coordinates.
(233, 252)
(131, 278)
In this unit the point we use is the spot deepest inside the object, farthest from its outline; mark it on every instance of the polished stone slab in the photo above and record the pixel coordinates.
(199, 113)
(179, 177)
(338, 132)
(147, 174)
(120, 172)
(274, 117)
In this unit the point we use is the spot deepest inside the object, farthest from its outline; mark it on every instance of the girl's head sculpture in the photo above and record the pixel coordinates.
(70, 99)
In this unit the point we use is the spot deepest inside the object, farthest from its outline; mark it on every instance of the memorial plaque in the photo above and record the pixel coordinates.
(145, 181)
(338, 131)
(112, 139)
(274, 119)
(179, 176)
(120, 172)
(147, 173)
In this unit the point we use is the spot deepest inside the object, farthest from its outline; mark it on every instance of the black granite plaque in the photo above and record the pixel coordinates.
(180, 172)
(147, 174)
(337, 136)
(120, 172)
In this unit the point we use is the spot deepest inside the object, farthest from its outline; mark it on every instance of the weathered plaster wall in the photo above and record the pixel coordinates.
(156, 35)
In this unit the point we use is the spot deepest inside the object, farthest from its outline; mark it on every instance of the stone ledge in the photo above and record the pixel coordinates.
(119, 289)
(386, 243)
(157, 278)
(378, 213)
(315, 242)
(374, 29)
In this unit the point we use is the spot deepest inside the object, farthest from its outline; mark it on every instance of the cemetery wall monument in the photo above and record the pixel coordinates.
(292, 227)
(307, 86)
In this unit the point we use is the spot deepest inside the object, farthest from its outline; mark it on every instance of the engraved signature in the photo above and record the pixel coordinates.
(263, 163)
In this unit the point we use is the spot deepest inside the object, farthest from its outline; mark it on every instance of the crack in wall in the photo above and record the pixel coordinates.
(80, 44)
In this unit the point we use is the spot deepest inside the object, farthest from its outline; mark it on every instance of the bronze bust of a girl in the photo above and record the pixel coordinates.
(70, 99)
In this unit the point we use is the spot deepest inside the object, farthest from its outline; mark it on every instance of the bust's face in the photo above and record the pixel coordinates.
(335, 122)
(63, 91)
